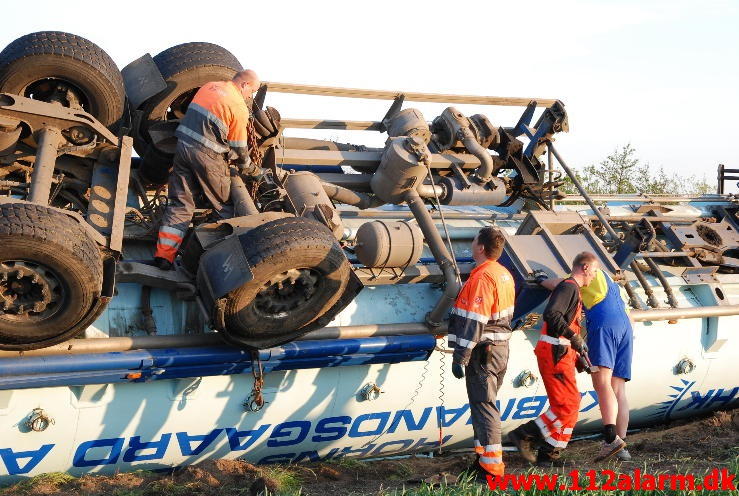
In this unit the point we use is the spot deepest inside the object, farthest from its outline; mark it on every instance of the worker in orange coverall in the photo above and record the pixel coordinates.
(479, 330)
(212, 135)
(556, 354)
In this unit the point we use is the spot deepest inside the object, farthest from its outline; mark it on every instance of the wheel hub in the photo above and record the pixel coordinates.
(287, 292)
(28, 290)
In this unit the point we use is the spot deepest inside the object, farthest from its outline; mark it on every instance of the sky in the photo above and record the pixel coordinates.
(662, 75)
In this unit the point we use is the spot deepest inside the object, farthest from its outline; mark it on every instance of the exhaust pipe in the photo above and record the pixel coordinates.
(441, 255)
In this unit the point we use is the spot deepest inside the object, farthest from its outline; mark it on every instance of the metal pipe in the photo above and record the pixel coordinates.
(484, 172)
(349, 197)
(49, 140)
(431, 191)
(242, 201)
(317, 144)
(654, 198)
(651, 299)
(582, 191)
(441, 255)
(665, 254)
(663, 280)
(104, 345)
(448, 214)
(684, 313)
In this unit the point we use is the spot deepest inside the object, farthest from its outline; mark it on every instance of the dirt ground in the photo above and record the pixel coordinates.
(683, 447)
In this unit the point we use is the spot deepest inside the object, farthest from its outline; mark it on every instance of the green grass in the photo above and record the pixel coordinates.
(466, 486)
(54, 479)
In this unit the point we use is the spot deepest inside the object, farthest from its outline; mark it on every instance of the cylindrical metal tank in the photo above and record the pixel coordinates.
(308, 199)
(388, 244)
(456, 193)
(401, 168)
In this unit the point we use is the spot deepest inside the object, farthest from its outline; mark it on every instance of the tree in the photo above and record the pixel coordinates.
(623, 173)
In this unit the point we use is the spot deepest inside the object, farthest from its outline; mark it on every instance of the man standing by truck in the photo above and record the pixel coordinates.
(610, 342)
(479, 330)
(556, 354)
(212, 135)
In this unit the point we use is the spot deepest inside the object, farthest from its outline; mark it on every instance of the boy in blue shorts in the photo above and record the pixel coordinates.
(610, 343)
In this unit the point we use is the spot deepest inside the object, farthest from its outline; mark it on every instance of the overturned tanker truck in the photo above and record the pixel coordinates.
(310, 325)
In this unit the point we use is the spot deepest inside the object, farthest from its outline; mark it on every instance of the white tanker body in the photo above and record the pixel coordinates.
(349, 363)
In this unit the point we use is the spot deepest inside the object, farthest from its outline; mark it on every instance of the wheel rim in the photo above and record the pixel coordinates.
(55, 90)
(178, 107)
(291, 291)
(29, 291)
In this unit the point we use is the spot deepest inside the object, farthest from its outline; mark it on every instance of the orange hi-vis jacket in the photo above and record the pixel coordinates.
(483, 309)
(217, 120)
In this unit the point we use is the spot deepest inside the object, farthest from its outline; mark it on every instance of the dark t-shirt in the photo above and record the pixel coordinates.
(560, 310)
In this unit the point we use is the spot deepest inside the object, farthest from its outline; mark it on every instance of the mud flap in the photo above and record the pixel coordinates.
(142, 80)
(223, 268)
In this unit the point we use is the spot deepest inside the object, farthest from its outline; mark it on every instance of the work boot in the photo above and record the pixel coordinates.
(547, 455)
(624, 455)
(163, 263)
(523, 443)
(609, 450)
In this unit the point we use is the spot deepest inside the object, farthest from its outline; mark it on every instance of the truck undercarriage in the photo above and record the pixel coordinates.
(286, 264)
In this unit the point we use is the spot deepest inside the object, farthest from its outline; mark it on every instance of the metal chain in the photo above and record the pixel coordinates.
(255, 154)
(255, 402)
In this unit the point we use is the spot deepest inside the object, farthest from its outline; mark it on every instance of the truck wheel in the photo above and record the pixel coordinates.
(50, 276)
(53, 66)
(185, 68)
(299, 271)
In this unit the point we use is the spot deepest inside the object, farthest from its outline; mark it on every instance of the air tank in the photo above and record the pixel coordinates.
(388, 244)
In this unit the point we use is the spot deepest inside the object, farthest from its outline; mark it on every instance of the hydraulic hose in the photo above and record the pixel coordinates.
(651, 300)
(441, 255)
(663, 280)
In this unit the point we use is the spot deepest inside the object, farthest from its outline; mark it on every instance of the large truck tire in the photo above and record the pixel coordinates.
(35, 65)
(51, 275)
(185, 68)
(299, 271)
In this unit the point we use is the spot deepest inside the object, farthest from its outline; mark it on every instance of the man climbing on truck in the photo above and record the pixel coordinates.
(479, 330)
(212, 135)
(556, 354)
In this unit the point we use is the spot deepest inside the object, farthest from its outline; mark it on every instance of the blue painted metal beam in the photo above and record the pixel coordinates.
(145, 365)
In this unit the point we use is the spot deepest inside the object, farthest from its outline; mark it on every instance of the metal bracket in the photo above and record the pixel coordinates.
(700, 275)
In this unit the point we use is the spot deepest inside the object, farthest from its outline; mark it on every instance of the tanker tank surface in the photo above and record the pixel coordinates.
(310, 326)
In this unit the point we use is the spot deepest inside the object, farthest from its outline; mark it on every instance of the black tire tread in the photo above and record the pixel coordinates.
(269, 240)
(49, 226)
(66, 45)
(187, 56)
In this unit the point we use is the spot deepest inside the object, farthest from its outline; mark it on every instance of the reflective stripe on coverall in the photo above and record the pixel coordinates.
(560, 382)
(479, 329)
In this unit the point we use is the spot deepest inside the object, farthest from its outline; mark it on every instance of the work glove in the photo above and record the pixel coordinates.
(458, 370)
(540, 278)
(578, 344)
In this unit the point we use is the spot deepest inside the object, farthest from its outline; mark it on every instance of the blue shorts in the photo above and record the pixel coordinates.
(612, 347)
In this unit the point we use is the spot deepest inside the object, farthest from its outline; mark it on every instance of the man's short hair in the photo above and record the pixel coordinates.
(247, 75)
(492, 240)
(583, 258)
